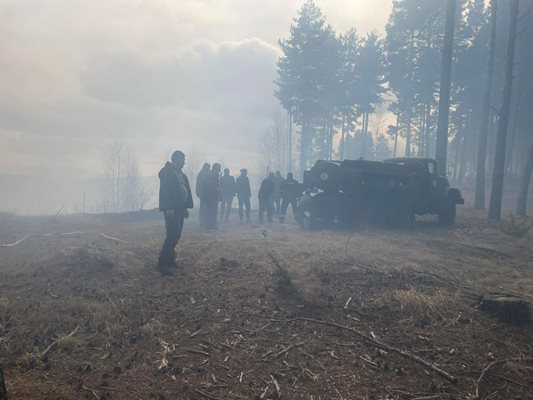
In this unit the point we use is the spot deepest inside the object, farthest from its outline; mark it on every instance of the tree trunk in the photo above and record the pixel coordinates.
(495, 206)
(427, 125)
(479, 202)
(343, 135)
(304, 147)
(363, 144)
(289, 158)
(396, 133)
(524, 185)
(408, 135)
(445, 84)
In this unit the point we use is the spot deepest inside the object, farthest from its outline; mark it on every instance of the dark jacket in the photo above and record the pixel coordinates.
(242, 187)
(266, 190)
(211, 187)
(174, 189)
(227, 186)
(200, 181)
(290, 189)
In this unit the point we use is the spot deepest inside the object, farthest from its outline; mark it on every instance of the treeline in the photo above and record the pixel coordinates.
(333, 84)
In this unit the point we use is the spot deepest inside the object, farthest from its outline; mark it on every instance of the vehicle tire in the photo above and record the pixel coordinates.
(447, 214)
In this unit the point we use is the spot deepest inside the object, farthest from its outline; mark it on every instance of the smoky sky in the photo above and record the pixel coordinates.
(159, 75)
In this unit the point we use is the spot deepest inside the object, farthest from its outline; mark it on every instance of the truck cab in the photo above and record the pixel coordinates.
(435, 195)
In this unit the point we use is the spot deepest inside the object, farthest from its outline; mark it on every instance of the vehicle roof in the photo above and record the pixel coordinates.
(407, 159)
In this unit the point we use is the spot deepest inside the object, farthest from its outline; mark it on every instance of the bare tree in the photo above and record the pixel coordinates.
(113, 175)
(131, 186)
(495, 206)
(273, 147)
(123, 186)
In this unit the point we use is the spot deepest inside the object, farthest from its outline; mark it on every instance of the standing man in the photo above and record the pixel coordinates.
(212, 196)
(290, 190)
(200, 184)
(265, 198)
(227, 188)
(244, 193)
(276, 196)
(175, 199)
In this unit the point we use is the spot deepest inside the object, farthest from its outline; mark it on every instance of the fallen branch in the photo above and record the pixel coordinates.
(15, 243)
(54, 343)
(111, 238)
(378, 343)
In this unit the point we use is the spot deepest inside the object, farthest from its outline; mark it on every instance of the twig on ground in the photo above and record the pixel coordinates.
(55, 296)
(91, 391)
(347, 303)
(492, 364)
(279, 354)
(111, 238)
(206, 395)
(203, 353)
(276, 385)
(378, 343)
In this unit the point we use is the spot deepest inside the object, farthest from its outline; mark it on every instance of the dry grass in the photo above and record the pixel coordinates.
(222, 313)
(415, 302)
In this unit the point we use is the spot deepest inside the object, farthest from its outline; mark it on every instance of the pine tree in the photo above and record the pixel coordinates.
(306, 71)
(371, 76)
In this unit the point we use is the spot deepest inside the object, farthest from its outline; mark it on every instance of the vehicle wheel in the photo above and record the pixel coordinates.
(447, 214)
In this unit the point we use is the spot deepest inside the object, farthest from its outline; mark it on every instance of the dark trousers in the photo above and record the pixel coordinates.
(173, 228)
(244, 202)
(285, 205)
(202, 213)
(211, 211)
(225, 207)
(265, 205)
(276, 203)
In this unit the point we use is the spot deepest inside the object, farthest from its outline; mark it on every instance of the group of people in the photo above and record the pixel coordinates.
(213, 189)
(216, 193)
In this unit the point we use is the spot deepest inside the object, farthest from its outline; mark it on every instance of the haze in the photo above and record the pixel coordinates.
(158, 75)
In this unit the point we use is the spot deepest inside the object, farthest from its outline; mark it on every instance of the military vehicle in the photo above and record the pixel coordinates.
(390, 192)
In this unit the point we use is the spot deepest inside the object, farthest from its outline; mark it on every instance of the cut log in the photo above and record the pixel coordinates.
(507, 308)
(3, 390)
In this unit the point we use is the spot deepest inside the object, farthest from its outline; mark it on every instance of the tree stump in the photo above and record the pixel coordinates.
(507, 308)
(3, 390)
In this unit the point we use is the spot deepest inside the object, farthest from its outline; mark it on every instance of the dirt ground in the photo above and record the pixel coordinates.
(261, 312)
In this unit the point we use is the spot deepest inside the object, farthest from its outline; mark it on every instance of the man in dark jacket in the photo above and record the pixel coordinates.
(265, 198)
(200, 183)
(227, 188)
(211, 193)
(244, 193)
(174, 199)
(276, 196)
(290, 190)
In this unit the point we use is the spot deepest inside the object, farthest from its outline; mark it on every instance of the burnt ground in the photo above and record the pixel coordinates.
(256, 312)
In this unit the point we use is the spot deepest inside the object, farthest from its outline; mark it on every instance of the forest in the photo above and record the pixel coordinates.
(332, 84)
